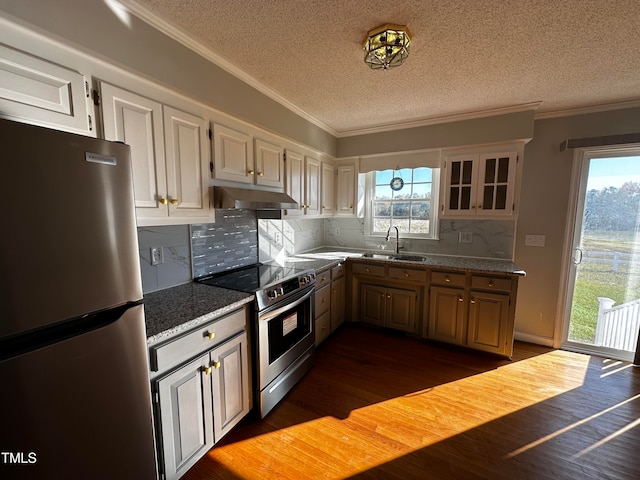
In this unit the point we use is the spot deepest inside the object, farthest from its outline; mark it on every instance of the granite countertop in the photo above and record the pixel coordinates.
(326, 257)
(181, 308)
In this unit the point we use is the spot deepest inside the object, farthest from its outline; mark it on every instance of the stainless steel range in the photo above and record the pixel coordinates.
(283, 333)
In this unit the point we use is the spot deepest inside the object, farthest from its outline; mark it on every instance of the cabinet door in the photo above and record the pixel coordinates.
(322, 327)
(186, 423)
(401, 309)
(446, 315)
(488, 322)
(233, 155)
(187, 158)
(138, 122)
(39, 92)
(372, 304)
(496, 177)
(269, 164)
(231, 384)
(460, 184)
(337, 303)
(328, 191)
(312, 186)
(295, 181)
(345, 190)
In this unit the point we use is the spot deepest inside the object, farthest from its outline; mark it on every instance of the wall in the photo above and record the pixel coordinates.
(544, 204)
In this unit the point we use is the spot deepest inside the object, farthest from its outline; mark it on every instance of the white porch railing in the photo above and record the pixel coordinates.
(617, 326)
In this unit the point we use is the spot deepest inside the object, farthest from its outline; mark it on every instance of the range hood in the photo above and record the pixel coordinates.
(231, 197)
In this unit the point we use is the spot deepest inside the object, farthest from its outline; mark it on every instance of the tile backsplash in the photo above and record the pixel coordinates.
(174, 244)
(239, 238)
(230, 242)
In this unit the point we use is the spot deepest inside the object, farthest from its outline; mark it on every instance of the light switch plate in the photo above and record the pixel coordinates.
(534, 240)
(465, 237)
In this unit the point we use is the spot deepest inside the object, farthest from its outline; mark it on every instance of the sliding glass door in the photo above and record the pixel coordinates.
(603, 301)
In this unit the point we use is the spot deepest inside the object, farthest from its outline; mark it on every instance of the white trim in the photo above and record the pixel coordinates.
(570, 112)
(179, 35)
(537, 339)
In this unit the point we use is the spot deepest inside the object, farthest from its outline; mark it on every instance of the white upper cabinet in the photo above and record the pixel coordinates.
(346, 189)
(233, 155)
(187, 154)
(294, 177)
(328, 189)
(33, 90)
(170, 157)
(479, 184)
(269, 164)
(312, 186)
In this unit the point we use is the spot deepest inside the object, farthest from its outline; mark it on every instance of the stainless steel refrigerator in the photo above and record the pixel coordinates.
(75, 399)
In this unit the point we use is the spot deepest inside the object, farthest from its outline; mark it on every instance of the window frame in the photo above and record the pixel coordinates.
(369, 193)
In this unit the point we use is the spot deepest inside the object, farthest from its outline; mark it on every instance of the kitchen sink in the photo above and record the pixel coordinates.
(406, 258)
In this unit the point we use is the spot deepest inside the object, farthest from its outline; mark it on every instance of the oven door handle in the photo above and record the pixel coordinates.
(265, 317)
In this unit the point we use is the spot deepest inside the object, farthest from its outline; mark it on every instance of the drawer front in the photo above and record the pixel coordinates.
(408, 274)
(450, 279)
(491, 283)
(196, 341)
(323, 300)
(322, 278)
(337, 271)
(368, 269)
(323, 327)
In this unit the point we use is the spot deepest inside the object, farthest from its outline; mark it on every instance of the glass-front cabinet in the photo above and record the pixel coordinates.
(479, 184)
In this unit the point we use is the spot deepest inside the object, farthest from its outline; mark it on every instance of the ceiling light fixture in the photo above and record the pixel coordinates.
(386, 46)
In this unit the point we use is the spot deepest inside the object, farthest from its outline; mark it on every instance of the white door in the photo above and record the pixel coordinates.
(602, 310)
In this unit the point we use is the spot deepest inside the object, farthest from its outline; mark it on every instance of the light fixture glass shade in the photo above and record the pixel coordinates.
(386, 46)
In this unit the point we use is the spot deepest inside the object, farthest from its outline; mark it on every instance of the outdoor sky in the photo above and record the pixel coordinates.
(613, 172)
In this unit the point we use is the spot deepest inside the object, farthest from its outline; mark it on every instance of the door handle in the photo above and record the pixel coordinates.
(577, 256)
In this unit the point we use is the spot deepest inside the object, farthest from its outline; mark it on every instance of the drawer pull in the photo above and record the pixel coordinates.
(210, 335)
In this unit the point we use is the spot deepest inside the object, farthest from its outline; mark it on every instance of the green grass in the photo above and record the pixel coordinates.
(598, 280)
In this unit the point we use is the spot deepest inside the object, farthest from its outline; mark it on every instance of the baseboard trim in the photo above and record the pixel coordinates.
(537, 339)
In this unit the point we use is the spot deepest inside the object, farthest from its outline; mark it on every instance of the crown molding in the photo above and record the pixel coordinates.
(179, 35)
(604, 107)
(438, 120)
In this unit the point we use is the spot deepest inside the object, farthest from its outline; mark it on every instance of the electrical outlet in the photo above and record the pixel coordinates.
(465, 237)
(337, 232)
(534, 240)
(157, 255)
(277, 237)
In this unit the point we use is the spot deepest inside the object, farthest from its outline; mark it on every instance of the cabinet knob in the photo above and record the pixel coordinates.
(173, 201)
(389, 297)
(460, 298)
(163, 201)
(366, 269)
(216, 365)
(324, 327)
(406, 274)
(350, 206)
(335, 291)
(447, 279)
(473, 300)
(250, 172)
(210, 335)
(324, 299)
(260, 174)
(491, 283)
(207, 370)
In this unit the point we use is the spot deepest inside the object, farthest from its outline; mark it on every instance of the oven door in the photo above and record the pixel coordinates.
(285, 332)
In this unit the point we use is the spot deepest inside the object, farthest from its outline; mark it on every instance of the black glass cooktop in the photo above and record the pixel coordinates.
(251, 279)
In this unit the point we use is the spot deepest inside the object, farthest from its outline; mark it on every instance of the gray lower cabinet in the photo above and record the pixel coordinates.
(199, 399)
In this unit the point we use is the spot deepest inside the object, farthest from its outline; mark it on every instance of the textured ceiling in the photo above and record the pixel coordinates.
(466, 56)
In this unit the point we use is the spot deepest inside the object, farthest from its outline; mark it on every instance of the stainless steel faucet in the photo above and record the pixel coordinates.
(397, 237)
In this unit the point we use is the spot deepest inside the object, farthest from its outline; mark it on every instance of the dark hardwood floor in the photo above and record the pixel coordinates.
(381, 405)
